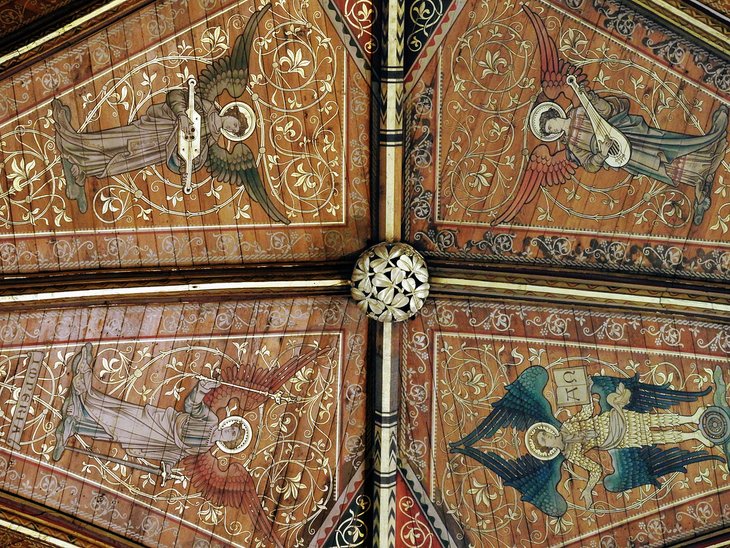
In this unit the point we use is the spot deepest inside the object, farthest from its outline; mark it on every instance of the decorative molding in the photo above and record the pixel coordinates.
(700, 25)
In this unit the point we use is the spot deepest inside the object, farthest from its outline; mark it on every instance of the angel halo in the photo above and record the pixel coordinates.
(245, 116)
(241, 441)
(535, 448)
(534, 121)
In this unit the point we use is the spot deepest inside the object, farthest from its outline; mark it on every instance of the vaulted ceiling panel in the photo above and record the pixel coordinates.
(112, 195)
(96, 399)
(180, 363)
(487, 183)
(476, 377)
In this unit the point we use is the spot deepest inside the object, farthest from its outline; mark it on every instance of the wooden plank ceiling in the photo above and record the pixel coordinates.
(181, 365)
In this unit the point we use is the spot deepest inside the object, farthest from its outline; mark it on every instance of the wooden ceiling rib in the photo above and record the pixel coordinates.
(187, 368)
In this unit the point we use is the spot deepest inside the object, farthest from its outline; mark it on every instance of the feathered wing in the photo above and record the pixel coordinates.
(264, 381)
(645, 397)
(232, 487)
(543, 168)
(523, 405)
(239, 168)
(536, 480)
(636, 466)
(553, 69)
(230, 73)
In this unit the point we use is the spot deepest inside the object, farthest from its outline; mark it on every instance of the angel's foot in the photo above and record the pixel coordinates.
(703, 200)
(74, 184)
(64, 431)
(701, 205)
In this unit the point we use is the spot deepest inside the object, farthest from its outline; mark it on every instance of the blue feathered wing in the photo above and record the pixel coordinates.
(645, 397)
(636, 466)
(536, 480)
(522, 406)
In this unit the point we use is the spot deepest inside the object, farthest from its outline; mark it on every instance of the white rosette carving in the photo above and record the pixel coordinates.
(390, 282)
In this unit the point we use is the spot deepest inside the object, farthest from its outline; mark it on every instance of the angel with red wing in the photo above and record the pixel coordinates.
(191, 437)
(600, 133)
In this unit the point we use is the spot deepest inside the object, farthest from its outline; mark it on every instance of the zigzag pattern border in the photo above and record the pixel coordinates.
(332, 521)
(348, 40)
(413, 73)
(425, 504)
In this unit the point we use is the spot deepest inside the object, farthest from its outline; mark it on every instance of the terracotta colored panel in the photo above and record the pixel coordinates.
(305, 191)
(473, 172)
(477, 375)
(116, 389)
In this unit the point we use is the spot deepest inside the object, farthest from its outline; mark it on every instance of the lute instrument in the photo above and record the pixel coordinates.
(620, 150)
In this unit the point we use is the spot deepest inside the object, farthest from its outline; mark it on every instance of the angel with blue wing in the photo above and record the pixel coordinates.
(631, 425)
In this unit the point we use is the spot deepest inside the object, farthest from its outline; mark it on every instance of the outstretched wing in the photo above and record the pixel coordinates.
(230, 73)
(645, 397)
(263, 381)
(239, 168)
(553, 69)
(231, 487)
(542, 169)
(636, 466)
(523, 405)
(536, 480)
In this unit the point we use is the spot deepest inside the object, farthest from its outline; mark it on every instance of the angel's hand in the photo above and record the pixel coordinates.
(208, 384)
(605, 146)
(186, 126)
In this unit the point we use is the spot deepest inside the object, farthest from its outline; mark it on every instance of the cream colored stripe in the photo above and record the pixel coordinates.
(35, 534)
(579, 294)
(72, 25)
(168, 289)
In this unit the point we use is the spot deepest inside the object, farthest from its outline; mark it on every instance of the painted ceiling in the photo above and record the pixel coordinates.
(181, 362)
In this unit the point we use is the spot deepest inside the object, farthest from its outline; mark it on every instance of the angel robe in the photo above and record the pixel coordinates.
(149, 140)
(144, 431)
(666, 156)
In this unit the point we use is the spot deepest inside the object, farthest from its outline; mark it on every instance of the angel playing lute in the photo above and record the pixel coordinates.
(154, 138)
(188, 442)
(600, 133)
(634, 424)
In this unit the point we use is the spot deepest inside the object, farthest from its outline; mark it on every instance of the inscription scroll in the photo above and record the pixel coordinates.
(25, 398)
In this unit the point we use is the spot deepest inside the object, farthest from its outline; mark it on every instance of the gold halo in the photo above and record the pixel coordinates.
(535, 121)
(248, 114)
(247, 434)
(538, 451)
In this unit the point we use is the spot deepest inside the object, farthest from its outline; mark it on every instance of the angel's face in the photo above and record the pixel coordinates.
(555, 125)
(231, 124)
(230, 433)
(546, 439)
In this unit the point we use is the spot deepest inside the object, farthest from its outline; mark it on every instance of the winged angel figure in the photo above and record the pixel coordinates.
(601, 133)
(627, 426)
(193, 438)
(153, 138)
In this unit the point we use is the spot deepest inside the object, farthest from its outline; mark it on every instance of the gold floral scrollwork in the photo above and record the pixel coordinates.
(33, 195)
(295, 83)
(414, 533)
(354, 529)
(299, 132)
(361, 15)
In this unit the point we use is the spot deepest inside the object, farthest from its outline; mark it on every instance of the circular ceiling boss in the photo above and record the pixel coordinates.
(390, 282)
